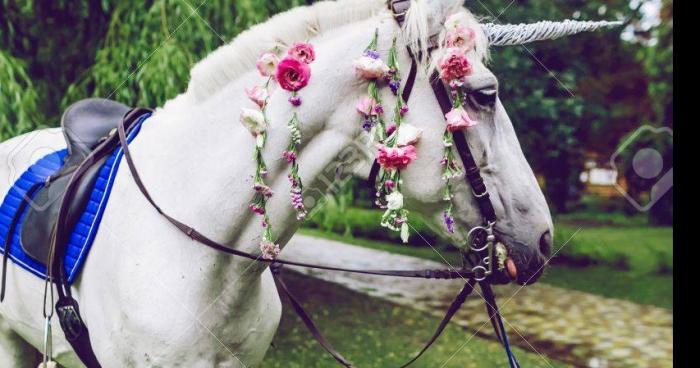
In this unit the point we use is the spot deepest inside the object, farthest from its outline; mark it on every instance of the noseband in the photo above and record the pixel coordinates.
(477, 266)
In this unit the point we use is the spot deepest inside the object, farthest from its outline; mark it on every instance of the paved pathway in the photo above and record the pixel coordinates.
(580, 328)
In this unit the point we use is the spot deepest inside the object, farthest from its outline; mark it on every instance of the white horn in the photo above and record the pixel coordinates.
(518, 34)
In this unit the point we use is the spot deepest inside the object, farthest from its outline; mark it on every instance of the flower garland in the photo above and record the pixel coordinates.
(395, 142)
(371, 68)
(454, 67)
(292, 74)
(256, 122)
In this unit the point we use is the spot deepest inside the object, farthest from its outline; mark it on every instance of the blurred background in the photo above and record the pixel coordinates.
(594, 114)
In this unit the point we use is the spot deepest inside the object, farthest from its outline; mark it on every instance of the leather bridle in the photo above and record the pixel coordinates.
(480, 256)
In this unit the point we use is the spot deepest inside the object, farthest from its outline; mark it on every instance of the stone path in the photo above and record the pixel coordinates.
(576, 327)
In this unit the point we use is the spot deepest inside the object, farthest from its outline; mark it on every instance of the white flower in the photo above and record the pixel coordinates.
(454, 20)
(394, 200)
(253, 120)
(370, 68)
(408, 134)
(267, 64)
(404, 232)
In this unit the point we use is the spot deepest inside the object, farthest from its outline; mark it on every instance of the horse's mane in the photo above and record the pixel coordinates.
(228, 62)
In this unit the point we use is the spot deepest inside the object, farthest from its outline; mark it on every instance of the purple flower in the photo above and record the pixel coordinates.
(257, 208)
(378, 109)
(289, 155)
(389, 184)
(367, 125)
(295, 100)
(449, 221)
(404, 110)
(372, 53)
(394, 86)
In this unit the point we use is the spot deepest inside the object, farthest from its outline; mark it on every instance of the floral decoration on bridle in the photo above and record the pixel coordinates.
(395, 141)
(292, 73)
(454, 67)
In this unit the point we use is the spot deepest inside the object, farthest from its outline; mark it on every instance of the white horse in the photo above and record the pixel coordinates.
(150, 296)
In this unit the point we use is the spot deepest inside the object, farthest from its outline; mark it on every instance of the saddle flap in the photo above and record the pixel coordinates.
(42, 212)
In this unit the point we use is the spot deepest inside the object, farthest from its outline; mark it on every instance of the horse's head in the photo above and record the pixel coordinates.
(524, 224)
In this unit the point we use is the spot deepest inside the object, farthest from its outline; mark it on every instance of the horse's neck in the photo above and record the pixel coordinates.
(197, 161)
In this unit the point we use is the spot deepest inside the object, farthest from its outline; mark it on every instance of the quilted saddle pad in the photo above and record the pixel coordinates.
(85, 229)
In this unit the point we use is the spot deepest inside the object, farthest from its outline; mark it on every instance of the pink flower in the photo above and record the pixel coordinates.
(258, 95)
(461, 37)
(292, 74)
(458, 119)
(396, 157)
(267, 64)
(367, 106)
(269, 249)
(303, 52)
(454, 65)
(368, 67)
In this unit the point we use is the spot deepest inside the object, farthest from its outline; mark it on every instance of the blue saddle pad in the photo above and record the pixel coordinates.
(85, 229)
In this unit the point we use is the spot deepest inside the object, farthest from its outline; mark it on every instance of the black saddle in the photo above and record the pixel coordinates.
(86, 125)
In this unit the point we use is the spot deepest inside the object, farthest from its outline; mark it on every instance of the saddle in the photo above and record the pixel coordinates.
(86, 126)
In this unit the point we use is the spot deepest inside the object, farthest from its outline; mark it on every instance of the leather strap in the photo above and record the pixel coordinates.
(497, 322)
(473, 175)
(299, 309)
(454, 307)
(67, 309)
(11, 232)
(202, 239)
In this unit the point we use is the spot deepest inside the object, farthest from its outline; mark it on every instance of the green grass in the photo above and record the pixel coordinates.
(651, 289)
(638, 249)
(643, 288)
(374, 333)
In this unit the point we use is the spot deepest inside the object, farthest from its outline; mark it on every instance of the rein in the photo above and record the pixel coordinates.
(480, 258)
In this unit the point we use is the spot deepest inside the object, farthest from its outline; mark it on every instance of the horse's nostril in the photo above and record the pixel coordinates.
(546, 243)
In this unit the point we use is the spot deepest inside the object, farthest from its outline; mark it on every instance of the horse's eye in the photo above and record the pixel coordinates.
(483, 98)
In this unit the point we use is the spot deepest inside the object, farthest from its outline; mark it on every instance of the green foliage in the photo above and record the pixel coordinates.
(139, 53)
(18, 98)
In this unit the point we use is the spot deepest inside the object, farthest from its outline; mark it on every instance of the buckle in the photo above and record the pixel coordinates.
(399, 13)
(70, 321)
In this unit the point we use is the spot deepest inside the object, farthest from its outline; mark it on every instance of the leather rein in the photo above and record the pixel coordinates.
(480, 257)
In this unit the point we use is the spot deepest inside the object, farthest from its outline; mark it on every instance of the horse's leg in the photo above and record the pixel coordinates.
(14, 351)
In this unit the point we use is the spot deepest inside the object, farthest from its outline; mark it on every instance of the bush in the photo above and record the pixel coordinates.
(364, 223)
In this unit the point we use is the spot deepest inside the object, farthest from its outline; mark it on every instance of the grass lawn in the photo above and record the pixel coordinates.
(374, 333)
(652, 289)
(634, 248)
(639, 287)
